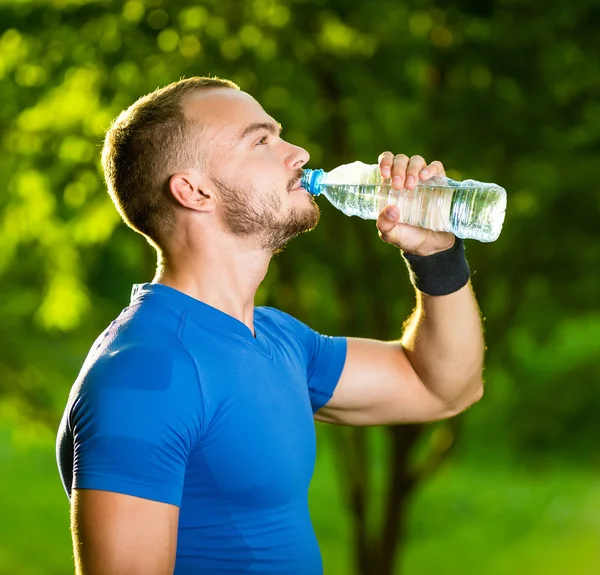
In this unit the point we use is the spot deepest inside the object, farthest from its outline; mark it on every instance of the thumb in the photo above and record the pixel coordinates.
(387, 221)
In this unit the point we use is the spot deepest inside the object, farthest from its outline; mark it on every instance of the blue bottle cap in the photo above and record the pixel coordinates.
(311, 181)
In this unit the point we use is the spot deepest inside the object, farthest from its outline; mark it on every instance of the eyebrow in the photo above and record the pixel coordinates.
(271, 127)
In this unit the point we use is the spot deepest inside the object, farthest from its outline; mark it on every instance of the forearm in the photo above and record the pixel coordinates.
(443, 340)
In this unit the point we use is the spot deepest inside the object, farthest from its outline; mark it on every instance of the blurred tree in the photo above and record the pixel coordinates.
(503, 90)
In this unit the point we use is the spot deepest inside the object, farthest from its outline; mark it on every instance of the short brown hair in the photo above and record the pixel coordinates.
(146, 144)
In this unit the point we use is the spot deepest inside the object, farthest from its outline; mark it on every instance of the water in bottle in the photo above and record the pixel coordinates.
(468, 209)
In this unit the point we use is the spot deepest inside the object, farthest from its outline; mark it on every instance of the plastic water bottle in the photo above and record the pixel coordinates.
(468, 209)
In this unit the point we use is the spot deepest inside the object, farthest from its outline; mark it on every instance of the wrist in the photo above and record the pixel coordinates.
(443, 241)
(441, 273)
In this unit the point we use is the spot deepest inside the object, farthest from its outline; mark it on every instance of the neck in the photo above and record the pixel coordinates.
(225, 277)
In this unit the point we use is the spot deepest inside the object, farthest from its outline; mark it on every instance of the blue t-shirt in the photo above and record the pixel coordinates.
(178, 402)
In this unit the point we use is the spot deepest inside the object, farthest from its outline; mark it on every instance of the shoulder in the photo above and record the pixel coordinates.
(139, 349)
(138, 377)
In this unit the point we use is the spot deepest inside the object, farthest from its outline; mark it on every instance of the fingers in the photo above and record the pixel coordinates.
(394, 167)
(386, 161)
(387, 224)
(434, 169)
(406, 172)
(415, 165)
(399, 171)
(387, 220)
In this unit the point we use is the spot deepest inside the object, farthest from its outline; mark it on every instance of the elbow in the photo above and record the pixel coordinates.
(477, 392)
(468, 399)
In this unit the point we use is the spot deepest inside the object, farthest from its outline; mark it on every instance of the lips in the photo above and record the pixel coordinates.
(295, 185)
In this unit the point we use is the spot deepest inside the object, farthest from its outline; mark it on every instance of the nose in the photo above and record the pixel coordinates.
(296, 157)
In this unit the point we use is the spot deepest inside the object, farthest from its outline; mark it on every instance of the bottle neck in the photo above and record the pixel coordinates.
(311, 181)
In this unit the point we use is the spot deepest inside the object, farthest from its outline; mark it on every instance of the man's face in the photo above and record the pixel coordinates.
(255, 172)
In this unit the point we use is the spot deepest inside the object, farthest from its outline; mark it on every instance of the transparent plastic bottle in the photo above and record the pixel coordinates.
(468, 209)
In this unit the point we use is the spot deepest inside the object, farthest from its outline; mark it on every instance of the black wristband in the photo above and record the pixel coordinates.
(439, 274)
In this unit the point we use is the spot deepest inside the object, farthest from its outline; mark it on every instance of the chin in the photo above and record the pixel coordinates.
(310, 216)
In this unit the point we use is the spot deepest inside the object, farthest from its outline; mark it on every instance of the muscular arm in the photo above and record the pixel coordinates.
(443, 342)
(116, 534)
(435, 370)
(131, 420)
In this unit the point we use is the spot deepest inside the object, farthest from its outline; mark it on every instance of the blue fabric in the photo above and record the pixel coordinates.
(177, 402)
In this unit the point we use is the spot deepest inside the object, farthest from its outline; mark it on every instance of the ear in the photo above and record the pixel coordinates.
(192, 191)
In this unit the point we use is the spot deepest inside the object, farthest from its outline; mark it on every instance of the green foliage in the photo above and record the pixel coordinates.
(501, 91)
(496, 101)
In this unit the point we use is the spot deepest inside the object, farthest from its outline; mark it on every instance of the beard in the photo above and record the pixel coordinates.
(243, 216)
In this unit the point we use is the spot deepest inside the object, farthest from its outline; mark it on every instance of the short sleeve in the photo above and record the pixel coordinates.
(325, 358)
(134, 420)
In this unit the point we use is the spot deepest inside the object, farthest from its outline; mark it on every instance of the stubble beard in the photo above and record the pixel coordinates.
(244, 217)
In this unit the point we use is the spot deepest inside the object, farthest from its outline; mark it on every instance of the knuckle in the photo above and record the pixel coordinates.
(385, 156)
(438, 167)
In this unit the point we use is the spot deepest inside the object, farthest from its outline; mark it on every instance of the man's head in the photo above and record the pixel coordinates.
(202, 151)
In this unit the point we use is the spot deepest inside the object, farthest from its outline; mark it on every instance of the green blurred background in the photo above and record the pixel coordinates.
(505, 91)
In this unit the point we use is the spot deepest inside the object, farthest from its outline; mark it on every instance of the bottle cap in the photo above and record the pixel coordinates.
(311, 181)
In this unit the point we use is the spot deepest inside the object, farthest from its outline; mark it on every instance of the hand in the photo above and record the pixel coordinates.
(406, 173)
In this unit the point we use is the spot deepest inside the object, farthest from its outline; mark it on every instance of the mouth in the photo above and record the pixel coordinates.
(295, 186)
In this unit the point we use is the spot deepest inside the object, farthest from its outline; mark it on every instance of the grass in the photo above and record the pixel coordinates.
(34, 529)
(470, 519)
(480, 519)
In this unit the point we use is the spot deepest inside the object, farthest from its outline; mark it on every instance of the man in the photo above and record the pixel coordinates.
(188, 442)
